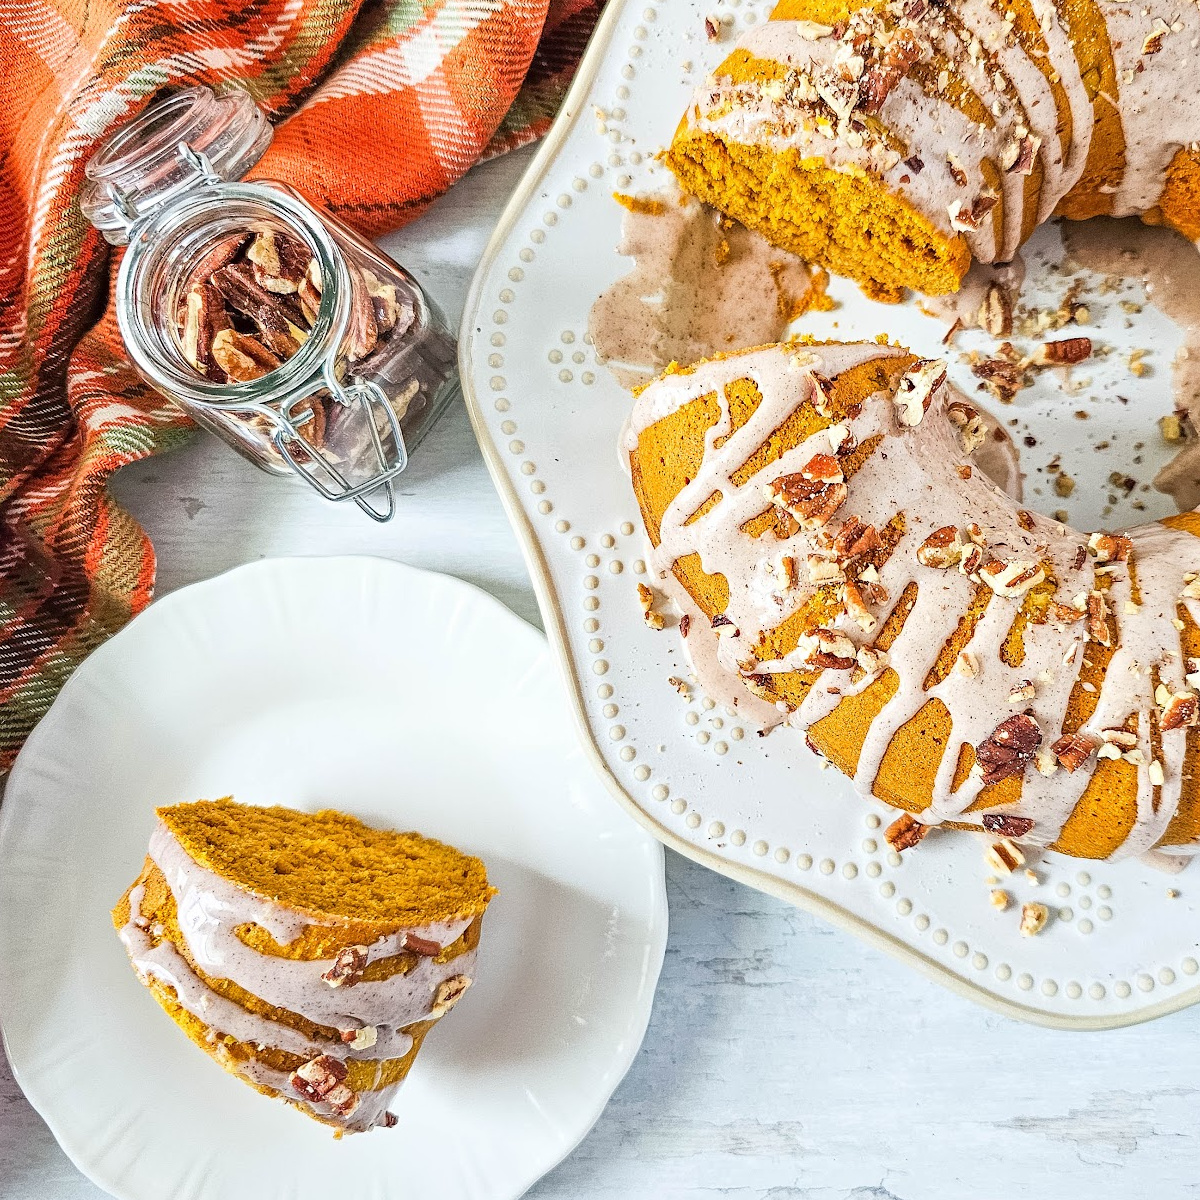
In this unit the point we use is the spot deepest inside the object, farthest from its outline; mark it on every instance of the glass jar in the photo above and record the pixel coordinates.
(268, 320)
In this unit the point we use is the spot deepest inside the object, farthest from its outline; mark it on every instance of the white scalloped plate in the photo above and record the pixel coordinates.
(1118, 950)
(414, 701)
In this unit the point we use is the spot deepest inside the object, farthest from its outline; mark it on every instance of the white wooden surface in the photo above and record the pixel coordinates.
(784, 1061)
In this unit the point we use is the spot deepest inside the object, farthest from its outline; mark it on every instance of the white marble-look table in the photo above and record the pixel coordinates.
(785, 1060)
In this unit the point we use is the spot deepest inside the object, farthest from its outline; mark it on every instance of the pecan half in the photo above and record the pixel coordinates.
(1005, 753)
(241, 357)
(204, 317)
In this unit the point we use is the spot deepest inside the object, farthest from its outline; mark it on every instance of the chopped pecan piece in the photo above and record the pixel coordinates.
(1034, 916)
(915, 391)
(1007, 825)
(322, 1080)
(361, 1039)
(1004, 856)
(968, 219)
(1006, 752)
(280, 262)
(309, 292)
(856, 608)
(347, 968)
(1063, 353)
(972, 430)
(1109, 547)
(1012, 579)
(905, 832)
(243, 292)
(1097, 619)
(898, 58)
(854, 539)
(1074, 749)
(1003, 375)
(996, 311)
(426, 947)
(1020, 155)
(812, 503)
(363, 334)
(941, 549)
(449, 993)
(1178, 709)
(1152, 43)
(827, 649)
(653, 618)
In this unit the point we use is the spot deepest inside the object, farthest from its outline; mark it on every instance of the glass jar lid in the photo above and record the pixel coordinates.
(175, 143)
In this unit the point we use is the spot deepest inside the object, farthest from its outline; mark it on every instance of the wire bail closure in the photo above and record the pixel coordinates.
(367, 396)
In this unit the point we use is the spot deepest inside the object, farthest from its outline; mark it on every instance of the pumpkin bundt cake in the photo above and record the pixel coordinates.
(893, 142)
(845, 569)
(306, 952)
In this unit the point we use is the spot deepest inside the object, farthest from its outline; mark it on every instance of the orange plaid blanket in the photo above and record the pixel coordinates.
(437, 85)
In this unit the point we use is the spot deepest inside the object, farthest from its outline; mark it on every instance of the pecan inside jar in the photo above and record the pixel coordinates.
(251, 302)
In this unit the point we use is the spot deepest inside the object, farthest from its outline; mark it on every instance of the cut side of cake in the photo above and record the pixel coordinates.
(308, 953)
(895, 142)
(842, 567)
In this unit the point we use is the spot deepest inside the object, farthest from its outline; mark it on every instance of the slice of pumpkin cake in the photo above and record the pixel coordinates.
(308, 953)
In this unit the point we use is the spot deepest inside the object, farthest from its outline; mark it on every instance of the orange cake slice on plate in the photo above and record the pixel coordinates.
(308, 953)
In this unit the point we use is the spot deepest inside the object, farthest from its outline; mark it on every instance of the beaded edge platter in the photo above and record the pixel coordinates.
(1122, 944)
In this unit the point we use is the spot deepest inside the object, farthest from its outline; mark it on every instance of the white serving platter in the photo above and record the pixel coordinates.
(1119, 948)
(412, 700)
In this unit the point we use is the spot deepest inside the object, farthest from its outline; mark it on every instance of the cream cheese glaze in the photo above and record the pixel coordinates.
(962, 160)
(211, 908)
(915, 472)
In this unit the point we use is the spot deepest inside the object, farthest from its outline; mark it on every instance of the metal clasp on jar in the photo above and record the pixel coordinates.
(387, 442)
